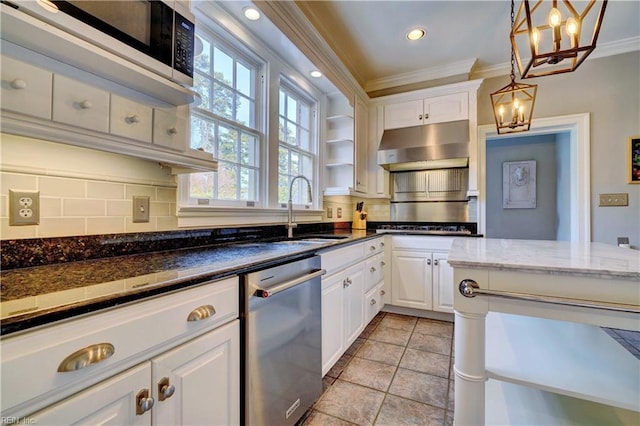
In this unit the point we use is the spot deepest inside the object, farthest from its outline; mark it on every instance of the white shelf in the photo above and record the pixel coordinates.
(338, 164)
(511, 404)
(338, 190)
(339, 117)
(572, 359)
(340, 140)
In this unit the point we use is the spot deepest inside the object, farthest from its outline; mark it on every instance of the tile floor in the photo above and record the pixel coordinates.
(398, 372)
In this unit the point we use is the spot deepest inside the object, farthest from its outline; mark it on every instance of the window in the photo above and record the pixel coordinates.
(296, 147)
(226, 124)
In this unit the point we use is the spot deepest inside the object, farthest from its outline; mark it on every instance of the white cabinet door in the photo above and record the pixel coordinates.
(354, 303)
(361, 146)
(25, 89)
(452, 107)
(112, 402)
(205, 375)
(443, 286)
(403, 114)
(333, 324)
(411, 279)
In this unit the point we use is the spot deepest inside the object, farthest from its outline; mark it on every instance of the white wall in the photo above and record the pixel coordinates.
(609, 89)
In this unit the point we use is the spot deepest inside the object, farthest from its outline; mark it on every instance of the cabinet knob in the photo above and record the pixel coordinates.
(165, 389)
(382, 263)
(132, 119)
(381, 244)
(373, 269)
(373, 302)
(86, 104)
(420, 117)
(382, 292)
(426, 116)
(435, 262)
(372, 248)
(144, 402)
(19, 84)
(172, 131)
(429, 262)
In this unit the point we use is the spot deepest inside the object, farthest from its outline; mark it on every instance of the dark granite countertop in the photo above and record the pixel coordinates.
(38, 295)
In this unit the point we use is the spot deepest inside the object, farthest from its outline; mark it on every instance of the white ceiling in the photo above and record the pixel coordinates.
(369, 36)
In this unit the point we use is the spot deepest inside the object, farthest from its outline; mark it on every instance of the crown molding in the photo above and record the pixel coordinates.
(296, 26)
(425, 74)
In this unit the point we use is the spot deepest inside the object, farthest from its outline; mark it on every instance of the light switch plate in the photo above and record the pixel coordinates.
(140, 209)
(621, 199)
(329, 212)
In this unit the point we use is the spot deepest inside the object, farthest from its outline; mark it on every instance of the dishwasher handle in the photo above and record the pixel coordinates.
(264, 293)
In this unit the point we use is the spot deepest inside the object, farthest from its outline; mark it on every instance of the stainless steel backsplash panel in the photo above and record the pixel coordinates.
(452, 211)
(431, 185)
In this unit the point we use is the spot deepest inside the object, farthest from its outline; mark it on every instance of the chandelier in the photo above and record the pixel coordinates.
(513, 104)
(553, 37)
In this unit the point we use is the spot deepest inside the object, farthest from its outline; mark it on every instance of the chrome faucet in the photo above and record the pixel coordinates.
(290, 225)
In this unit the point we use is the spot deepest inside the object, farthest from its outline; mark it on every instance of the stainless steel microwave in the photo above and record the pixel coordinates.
(158, 35)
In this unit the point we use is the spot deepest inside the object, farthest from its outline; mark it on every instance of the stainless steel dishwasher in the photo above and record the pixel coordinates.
(282, 342)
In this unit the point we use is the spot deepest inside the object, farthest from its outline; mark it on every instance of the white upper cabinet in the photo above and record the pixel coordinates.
(437, 109)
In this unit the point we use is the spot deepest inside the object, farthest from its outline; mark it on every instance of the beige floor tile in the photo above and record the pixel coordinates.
(351, 402)
(434, 328)
(317, 418)
(400, 322)
(381, 352)
(368, 373)
(425, 342)
(390, 335)
(398, 411)
(420, 387)
(426, 362)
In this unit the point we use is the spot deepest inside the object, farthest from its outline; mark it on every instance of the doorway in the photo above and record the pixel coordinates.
(568, 138)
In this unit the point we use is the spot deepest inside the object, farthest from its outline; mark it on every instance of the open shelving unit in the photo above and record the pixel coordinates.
(544, 371)
(339, 147)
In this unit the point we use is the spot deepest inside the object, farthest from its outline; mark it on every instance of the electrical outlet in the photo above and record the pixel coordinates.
(329, 212)
(621, 199)
(140, 209)
(24, 208)
(339, 212)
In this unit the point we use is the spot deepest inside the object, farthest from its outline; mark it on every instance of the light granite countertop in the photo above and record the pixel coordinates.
(552, 257)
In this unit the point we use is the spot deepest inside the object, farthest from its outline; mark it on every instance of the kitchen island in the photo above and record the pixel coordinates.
(529, 347)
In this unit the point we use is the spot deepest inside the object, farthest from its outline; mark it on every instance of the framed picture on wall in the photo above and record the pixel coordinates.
(519, 184)
(633, 152)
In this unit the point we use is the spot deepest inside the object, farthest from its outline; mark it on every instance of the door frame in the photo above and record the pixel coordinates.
(577, 125)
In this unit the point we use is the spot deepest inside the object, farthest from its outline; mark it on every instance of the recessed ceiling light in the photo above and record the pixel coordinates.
(315, 74)
(416, 34)
(251, 13)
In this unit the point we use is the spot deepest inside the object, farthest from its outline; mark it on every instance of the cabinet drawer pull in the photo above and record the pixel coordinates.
(172, 131)
(382, 292)
(373, 302)
(435, 262)
(381, 244)
(86, 356)
(426, 116)
(132, 119)
(165, 389)
(382, 263)
(144, 402)
(420, 117)
(86, 104)
(429, 262)
(202, 312)
(372, 270)
(19, 84)
(372, 248)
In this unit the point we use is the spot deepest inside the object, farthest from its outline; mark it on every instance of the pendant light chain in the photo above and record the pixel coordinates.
(513, 61)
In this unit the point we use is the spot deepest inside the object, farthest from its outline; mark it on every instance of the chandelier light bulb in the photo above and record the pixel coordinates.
(555, 18)
(572, 26)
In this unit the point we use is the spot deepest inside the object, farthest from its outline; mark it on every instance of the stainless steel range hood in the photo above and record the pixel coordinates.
(431, 146)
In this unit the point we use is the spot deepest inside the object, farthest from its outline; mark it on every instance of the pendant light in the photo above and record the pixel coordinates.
(553, 37)
(513, 104)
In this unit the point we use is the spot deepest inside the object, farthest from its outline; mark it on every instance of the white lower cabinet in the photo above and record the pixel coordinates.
(195, 383)
(352, 271)
(421, 278)
(342, 312)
